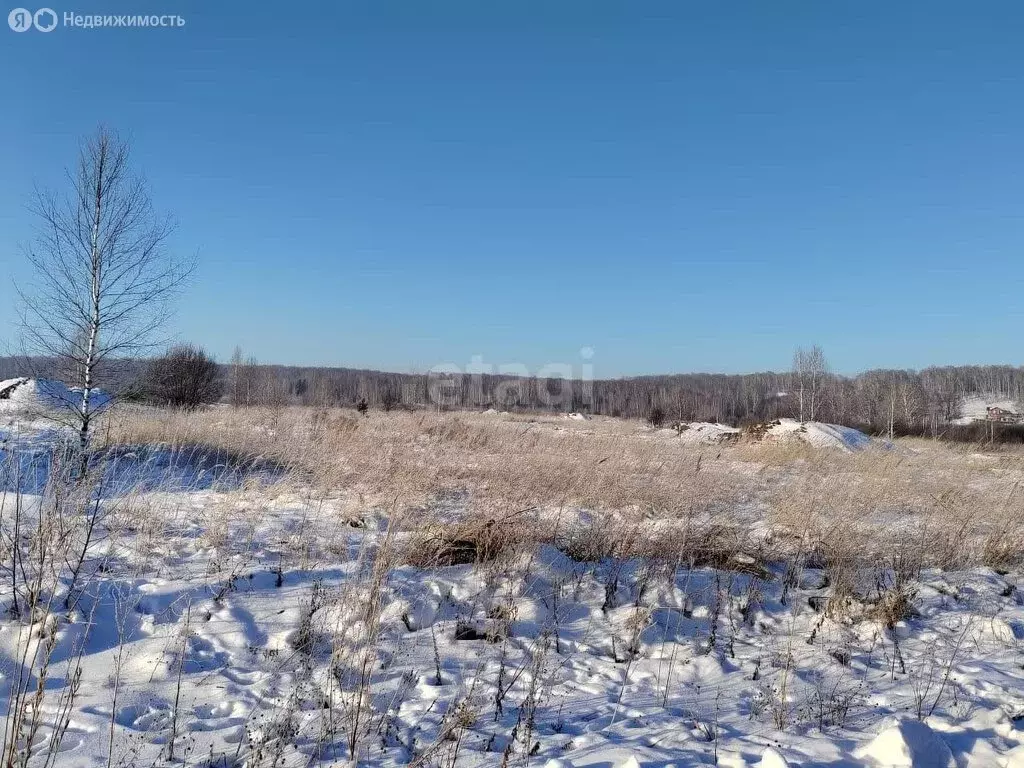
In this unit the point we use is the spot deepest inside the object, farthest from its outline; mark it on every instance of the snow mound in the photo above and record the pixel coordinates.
(7, 386)
(908, 744)
(772, 759)
(818, 434)
(32, 396)
(705, 432)
(815, 433)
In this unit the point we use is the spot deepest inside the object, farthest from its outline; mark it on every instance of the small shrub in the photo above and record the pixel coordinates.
(894, 604)
(389, 400)
(462, 544)
(184, 377)
(656, 417)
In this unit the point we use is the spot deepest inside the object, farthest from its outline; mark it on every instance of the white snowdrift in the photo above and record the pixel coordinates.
(820, 435)
(772, 759)
(908, 744)
(706, 432)
(26, 396)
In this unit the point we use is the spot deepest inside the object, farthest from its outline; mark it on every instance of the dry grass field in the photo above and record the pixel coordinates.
(254, 588)
(950, 505)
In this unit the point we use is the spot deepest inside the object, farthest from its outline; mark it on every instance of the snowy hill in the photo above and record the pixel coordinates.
(706, 432)
(820, 434)
(25, 397)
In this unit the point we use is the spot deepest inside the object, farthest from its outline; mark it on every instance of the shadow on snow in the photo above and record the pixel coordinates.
(26, 465)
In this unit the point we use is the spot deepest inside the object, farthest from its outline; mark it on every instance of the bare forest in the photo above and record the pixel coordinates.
(878, 401)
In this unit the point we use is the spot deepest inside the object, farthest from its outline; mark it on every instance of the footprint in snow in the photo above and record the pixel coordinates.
(145, 718)
(217, 717)
(73, 738)
(202, 656)
(242, 677)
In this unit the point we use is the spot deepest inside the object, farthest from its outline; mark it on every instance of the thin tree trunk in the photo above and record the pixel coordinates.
(95, 293)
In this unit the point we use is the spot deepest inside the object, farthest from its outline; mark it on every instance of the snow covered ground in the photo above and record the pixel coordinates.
(258, 625)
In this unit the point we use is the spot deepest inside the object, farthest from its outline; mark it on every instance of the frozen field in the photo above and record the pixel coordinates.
(797, 604)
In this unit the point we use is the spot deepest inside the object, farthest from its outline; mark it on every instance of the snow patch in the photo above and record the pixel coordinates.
(819, 434)
(908, 744)
(772, 759)
(705, 432)
(28, 396)
(815, 433)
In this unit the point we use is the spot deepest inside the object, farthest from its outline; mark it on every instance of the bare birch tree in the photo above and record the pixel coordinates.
(800, 376)
(817, 367)
(809, 372)
(103, 279)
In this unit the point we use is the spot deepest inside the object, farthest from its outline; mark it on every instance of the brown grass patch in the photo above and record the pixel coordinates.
(648, 492)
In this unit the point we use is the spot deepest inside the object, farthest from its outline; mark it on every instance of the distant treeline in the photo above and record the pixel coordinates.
(899, 402)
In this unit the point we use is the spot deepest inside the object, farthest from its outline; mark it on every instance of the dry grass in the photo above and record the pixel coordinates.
(505, 463)
(646, 492)
(634, 509)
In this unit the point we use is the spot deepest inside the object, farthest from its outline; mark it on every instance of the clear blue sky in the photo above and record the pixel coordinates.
(680, 186)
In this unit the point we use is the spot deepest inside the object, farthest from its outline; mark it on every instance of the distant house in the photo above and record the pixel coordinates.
(1001, 415)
